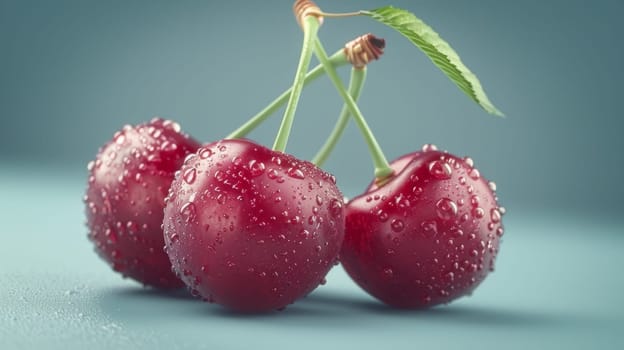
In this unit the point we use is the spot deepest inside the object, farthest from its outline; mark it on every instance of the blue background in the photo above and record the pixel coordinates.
(73, 72)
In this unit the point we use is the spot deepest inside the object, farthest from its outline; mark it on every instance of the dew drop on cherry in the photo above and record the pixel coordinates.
(205, 153)
(492, 186)
(429, 228)
(256, 168)
(474, 174)
(440, 170)
(188, 211)
(397, 225)
(189, 175)
(446, 209)
(500, 231)
(478, 212)
(295, 173)
(495, 215)
(475, 200)
(429, 147)
(335, 207)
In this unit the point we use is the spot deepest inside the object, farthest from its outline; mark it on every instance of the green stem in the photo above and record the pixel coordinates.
(338, 59)
(356, 83)
(311, 25)
(382, 168)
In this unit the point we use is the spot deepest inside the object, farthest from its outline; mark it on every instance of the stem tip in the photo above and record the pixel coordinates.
(363, 49)
(304, 8)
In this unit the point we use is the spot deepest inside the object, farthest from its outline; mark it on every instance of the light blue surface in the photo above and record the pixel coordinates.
(558, 284)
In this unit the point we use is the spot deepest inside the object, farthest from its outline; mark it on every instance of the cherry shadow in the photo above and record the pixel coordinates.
(322, 307)
(457, 313)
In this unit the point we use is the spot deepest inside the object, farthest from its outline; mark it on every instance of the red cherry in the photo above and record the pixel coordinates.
(250, 228)
(128, 182)
(428, 236)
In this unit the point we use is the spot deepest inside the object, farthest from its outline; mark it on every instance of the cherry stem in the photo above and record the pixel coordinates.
(310, 26)
(338, 15)
(338, 59)
(356, 83)
(382, 168)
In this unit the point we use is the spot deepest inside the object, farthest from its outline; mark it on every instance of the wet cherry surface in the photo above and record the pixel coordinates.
(128, 182)
(251, 228)
(428, 236)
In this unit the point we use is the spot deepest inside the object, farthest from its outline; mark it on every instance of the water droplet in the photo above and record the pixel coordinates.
(474, 174)
(111, 155)
(469, 161)
(205, 153)
(90, 165)
(478, 212)
(221, 198)
(397, 225)
(319, 200)
(304, 233)
(169, 124)
(495, 215)
(502, 210)
(475, 200)
(446, 209)
(335, 207)
(256, 168)
(492, 186)
(388, 272)
(295, 173)
(188, 211)
(456, 232)
(500, 231)
(111, 236)
(153, 158)
(450, 276)
(429, 228)
(236, 160)
(168, 146)
(189, 175)
(429, 147)
(174, 237)
(219, 175)
(462, 180)
(382, 215)
(120, 139)
(132, 227)
(272, 174)
(440, 170)
(417, 190)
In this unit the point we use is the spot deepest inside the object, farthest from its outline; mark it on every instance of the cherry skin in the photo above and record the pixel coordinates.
(128, 182)
(251, 228)
(426, 237)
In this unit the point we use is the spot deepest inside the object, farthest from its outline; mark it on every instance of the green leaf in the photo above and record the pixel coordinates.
(438, 50)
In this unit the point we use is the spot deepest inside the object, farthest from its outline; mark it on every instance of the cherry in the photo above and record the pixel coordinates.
(251, 228)
(427, 236)
(128, 182)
